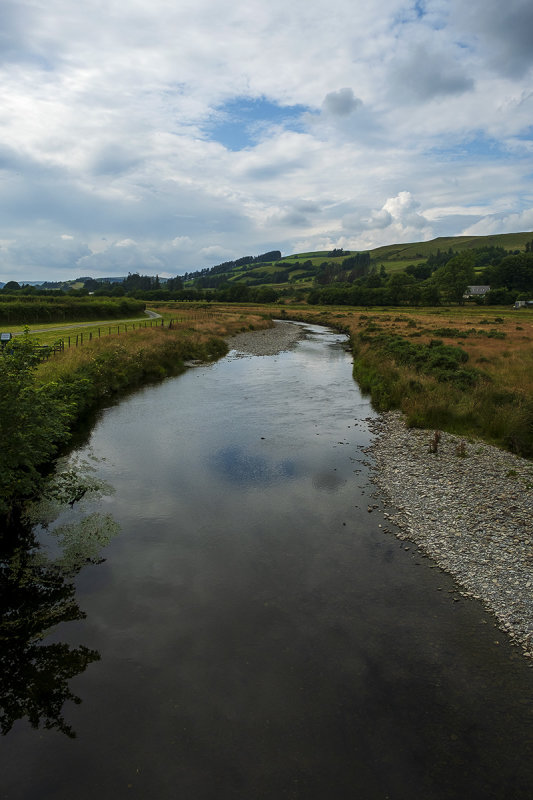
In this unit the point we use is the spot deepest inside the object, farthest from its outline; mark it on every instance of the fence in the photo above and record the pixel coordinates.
(78, 339)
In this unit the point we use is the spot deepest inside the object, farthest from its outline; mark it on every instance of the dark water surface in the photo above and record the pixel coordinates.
(252, 631)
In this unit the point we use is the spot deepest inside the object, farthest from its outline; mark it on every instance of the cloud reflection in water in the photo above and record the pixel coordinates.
(237, 466)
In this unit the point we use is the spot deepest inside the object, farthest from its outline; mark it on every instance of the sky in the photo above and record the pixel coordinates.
(165, 136)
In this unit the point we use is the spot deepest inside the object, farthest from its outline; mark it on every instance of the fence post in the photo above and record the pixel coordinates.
(98, 332)
(90, 336)
(69, 342)
(81, 340)
(76, 340)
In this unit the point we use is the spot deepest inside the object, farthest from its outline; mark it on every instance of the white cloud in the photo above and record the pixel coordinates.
(107, 111)
(502, 223)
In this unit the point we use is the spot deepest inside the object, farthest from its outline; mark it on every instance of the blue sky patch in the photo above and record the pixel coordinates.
(420, 8)
(241, 122)
(479, 147)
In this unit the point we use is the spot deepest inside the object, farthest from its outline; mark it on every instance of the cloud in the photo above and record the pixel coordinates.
(398, 220)
(502, 223)
(58, 256)
(110, 114)
(424, 75)
(341, 103)
(501, 31)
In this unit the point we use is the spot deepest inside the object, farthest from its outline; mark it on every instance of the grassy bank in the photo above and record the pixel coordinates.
(41, 403)
(467, 371)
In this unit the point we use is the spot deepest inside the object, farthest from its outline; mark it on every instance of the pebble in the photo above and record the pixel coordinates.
(472, 514)
(282, 336)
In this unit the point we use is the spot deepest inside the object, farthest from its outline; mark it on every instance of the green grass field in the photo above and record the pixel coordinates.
(50, 333)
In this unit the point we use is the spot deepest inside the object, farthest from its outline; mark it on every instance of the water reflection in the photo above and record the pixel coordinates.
(328, 481)
(38, 593)
(239, 466)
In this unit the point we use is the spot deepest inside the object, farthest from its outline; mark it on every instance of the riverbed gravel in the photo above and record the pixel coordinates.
(268, 342)
(469, 506)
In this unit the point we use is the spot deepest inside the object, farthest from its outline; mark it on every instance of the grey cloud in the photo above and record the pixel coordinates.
(121, 259)
(12, 30)
(367, 220)
(308, 207)
(19, 36)
(115, 160)
(61, 255)
(268, 172)
(293, 218)
(422, 75)
(341, 103)
(502, 32)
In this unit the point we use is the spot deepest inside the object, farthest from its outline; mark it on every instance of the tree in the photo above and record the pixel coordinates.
(515, 272)
(401, 287)
(454, 276)
(11, 286)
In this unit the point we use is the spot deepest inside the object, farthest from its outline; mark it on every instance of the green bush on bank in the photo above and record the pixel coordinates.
(34, 422)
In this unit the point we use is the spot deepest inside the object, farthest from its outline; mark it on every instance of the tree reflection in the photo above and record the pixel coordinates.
(37, 593)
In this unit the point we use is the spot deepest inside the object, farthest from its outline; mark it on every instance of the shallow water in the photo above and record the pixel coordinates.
(252, 632)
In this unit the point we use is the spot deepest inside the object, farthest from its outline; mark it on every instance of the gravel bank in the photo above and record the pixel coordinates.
(472, 514)
(269, 342)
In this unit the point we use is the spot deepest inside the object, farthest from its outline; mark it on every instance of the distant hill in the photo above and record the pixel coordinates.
(302, 268)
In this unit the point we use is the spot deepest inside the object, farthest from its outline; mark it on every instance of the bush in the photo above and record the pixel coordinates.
(34, 421)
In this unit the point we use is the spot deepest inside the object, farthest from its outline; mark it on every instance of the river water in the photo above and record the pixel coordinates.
(220, 616)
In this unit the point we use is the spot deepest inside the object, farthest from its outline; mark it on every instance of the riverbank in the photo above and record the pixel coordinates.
(469, 506)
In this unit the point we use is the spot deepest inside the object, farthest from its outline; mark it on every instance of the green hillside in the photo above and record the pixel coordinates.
(300, 270)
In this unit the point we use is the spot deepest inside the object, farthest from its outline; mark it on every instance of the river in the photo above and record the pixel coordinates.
(220, 616)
